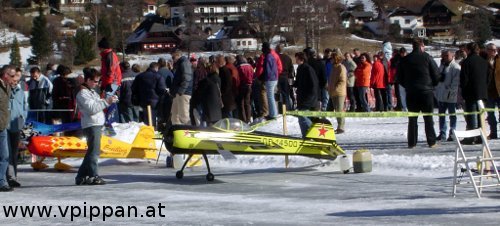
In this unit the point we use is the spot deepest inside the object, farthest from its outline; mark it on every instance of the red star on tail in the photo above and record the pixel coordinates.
(322, 131)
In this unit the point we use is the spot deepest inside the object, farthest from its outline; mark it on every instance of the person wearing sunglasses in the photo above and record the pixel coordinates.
(91, 107)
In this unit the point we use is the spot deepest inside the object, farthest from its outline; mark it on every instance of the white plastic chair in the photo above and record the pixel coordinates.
(484, 160)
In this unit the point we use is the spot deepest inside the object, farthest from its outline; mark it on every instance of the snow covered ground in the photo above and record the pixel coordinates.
(25, 54)
(406, 187)
(7, 37)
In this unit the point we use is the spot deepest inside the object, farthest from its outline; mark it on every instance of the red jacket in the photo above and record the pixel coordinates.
(362, 74)
(110, 69)
(260, 64)
(377, 78)
(246, 73)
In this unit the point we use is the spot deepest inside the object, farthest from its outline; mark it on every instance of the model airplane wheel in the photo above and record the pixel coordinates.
(179, 174)
(210, 177)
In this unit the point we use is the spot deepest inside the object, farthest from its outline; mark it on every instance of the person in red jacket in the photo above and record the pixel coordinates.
(110, 66)
(245, 71)
(362, 74)
(377, 82)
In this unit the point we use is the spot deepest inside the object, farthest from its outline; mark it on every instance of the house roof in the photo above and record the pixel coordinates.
(358, 14)
(152, 23)
(403, 11)
(206, 2)
(458, 8)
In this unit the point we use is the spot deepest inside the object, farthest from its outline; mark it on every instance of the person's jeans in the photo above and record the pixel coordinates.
(325, 96)
(88, 168)
(472, 121)
(4, 157)
(402, 96)
(128, 113)
(380, 99)
(352, 98)
(14, 138)
(270, 90)
(452, 108)
(305, 123)
(492, 121)
(388, 95)
(362, 98)
(284, 89)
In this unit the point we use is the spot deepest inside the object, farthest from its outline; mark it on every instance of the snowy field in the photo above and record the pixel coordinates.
(406, 187)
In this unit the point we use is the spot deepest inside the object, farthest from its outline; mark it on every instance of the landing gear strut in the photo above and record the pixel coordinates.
(180, 173)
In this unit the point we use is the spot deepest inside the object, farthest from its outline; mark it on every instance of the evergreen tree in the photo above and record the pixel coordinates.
(481, 27)
(15, 53)
(106, 30)
(84, 43)
(41, 46)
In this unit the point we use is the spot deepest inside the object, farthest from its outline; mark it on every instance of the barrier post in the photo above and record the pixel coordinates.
(285, 131)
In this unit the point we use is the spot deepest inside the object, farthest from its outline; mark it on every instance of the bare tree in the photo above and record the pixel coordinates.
(124, 15)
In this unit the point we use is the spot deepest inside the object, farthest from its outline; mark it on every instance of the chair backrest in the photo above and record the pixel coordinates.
(466, 134)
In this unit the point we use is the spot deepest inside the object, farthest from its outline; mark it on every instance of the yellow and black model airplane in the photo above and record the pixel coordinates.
(230, 137)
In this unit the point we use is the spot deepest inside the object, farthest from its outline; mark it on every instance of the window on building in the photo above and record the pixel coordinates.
(407, 21)
(212, 10)
(212, 20)
(202, 10)
(202, 20)
(238, 43)
(244, 43)
(151, 8)
(249, 43)
(224, 9)
(146, 46)
(225, 18)
(396, 22)
(240, 9)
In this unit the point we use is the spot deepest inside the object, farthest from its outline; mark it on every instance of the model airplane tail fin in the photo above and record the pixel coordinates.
(321, 129)
(144, 138)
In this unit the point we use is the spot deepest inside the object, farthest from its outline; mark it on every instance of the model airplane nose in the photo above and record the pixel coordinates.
(41, 146)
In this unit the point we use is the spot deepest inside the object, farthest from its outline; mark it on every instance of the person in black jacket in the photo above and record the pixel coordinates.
(474, 85)
(307, 90)
(148, 87)
(418, 74)
(125, 107)
(208, 95)
(320, 71)
(226, 87)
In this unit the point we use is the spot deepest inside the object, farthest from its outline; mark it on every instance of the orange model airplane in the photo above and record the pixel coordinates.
(143, 146)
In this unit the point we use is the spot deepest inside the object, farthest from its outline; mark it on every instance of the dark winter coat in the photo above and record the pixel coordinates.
(148, 86)
(492, 86)
(183, 78)
(165, 74)
(126, 88)
(307, 87)
(474, 78)
(418, 72)
(319, 70)
(287, 64)
(4, 105)
(199, 74)
(209, 97)
(62, 94)
(40, 92)
(226, 88)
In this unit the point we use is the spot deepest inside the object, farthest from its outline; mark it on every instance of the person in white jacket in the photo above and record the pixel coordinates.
(91, 107)
(447, 92)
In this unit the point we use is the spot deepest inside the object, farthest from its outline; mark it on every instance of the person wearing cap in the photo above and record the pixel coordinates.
(268, 69)
(110, 66)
